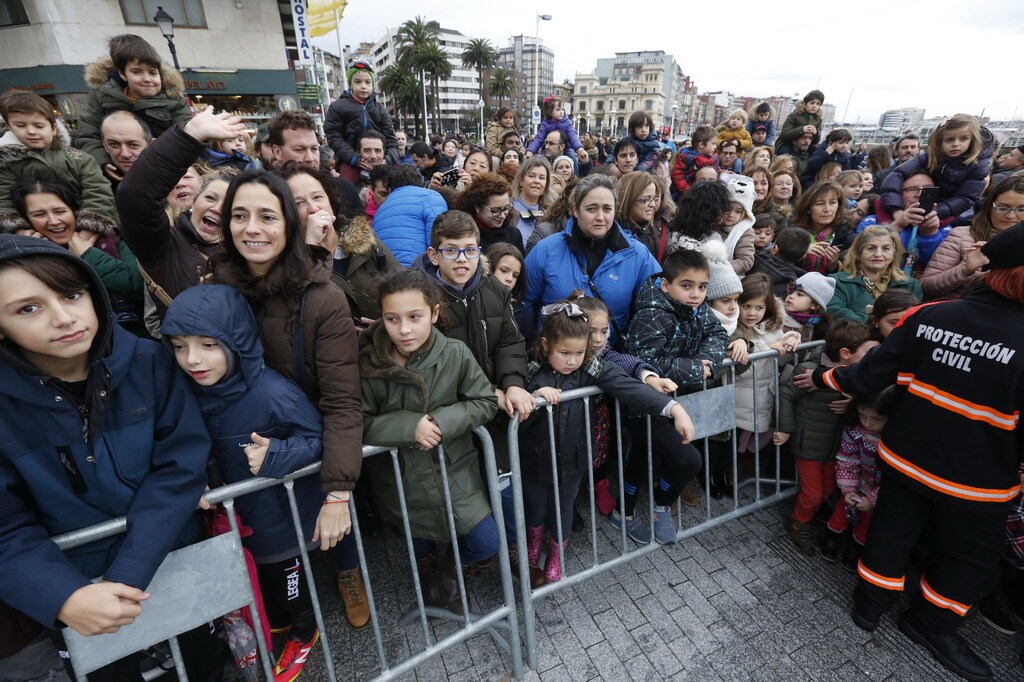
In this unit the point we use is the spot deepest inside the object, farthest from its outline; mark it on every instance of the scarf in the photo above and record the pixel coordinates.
(728, 323)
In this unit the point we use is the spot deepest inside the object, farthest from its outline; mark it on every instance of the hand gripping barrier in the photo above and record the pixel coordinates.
(178, 584)
(713, 411)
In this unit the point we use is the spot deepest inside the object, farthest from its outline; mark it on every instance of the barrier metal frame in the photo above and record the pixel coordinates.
(783, 489)
(503, 616)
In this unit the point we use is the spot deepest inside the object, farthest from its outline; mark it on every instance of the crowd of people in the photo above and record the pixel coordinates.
(184, 304)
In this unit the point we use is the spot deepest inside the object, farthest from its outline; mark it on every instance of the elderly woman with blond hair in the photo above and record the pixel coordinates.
(871, 267)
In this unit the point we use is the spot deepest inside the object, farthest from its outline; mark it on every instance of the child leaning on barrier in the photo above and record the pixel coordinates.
(600, 414)
(814, 420)
(262, 426)
(562, 361)
(95, 424)
(422, 389)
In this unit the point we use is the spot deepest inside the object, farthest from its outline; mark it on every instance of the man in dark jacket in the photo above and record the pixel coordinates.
(355, 111)
(950, 453)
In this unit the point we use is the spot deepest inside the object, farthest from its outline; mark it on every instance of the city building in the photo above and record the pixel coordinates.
(47, 44)
(607, 106)
(459, 95)
(901, 118)
(528, 56)
(627, 66)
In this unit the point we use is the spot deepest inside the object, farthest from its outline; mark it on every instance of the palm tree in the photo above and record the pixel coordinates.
(501, 86)
(403, 90)
(434, 61)
(479, 54)
(415, 38)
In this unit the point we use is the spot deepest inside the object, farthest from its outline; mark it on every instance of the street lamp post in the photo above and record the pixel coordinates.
(614, 123)
(166, 24)
(672, 128)
(481, 105)
(536, 63)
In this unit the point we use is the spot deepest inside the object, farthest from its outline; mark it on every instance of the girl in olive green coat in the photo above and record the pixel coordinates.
(420, 390)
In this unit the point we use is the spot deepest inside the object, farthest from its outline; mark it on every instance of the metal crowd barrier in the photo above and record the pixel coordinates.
(712, 411)
(500, 621)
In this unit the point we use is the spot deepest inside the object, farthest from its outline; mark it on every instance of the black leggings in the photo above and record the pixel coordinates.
(677, 463)
(286, 597)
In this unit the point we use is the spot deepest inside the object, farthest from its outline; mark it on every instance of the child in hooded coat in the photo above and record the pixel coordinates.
(251, 402)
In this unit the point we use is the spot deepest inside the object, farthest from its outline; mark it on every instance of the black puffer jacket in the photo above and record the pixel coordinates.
(483, 319)
(347, 118)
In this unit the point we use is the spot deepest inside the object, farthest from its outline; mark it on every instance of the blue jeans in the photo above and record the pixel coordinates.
(476, 545)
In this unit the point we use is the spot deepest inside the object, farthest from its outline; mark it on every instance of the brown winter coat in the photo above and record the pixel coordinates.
(330, 352)
(943, 277)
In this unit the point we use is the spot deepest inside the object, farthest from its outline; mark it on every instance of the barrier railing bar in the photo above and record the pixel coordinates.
(407, 528)
(254, 612)
(556, 484)
(364, 570)
(590, 479)
(757, 434)
(456, 552)
(620, 458)
(307, 567)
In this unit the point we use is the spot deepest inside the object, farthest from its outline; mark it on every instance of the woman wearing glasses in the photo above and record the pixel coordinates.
(489, 200)
(956, 263)
(638, 202)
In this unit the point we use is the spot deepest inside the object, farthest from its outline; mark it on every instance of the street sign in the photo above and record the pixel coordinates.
(536, 115)
(308, 92)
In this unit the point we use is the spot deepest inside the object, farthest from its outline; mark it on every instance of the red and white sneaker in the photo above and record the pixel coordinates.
(293, 658)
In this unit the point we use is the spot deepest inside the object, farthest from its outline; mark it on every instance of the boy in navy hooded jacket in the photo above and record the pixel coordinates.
(95, 424)
(262, 425)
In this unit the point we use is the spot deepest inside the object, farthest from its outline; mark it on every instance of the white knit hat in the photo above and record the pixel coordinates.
(816, 285)
(741, 190)
(723, 280)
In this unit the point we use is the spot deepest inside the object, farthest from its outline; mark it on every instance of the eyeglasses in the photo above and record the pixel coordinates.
(646, 201)
(500, 210)
(914, 191)
(1017, 211)
(452, 253)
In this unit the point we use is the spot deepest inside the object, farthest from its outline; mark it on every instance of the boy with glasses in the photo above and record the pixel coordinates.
(478, 307)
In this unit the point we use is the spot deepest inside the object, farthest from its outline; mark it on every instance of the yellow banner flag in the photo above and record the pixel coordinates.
(321, 16)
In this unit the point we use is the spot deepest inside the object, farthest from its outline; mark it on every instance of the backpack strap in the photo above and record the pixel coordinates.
(155, 289)
(298, 354)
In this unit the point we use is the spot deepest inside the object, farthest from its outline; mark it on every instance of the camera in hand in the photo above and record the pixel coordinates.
(450, 177)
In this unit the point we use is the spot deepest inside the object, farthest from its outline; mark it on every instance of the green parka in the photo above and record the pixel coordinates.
(814, 429)
(440, 379)
(793, 126)
(61, 161)
(107, 95)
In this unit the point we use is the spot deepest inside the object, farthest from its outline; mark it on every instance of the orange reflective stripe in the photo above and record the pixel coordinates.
(830, 381)
(934, 597)
(964, 492)
(965, 408)
(879, 580)
(914, 310)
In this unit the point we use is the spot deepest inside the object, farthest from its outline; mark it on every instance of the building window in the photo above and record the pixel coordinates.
(622, 104)
(649, 104)
(583, 106)
(600, 105)
(12, 13)
(186, 13)
(583, 89)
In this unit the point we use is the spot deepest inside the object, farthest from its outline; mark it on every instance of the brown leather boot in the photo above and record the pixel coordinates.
(353, 595)
(427, 569)
(448, 584)
(800, 536)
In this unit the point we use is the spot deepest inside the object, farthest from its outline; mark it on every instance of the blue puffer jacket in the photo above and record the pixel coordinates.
(253, 397)
(554, 269)
(959, 184)
(404, 220)
(135, 446)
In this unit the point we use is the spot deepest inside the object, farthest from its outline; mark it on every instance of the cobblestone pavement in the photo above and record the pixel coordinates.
(734, 603)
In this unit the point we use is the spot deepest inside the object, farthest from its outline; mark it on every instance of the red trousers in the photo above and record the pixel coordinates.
(817, 481)
(838, 523)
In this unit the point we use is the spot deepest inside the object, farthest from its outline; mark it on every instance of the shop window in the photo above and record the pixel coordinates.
(12, 13)
(186, 13)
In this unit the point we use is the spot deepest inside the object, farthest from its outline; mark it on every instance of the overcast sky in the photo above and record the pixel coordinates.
(945, 56)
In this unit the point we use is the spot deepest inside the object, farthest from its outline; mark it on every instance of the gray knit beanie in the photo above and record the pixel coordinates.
(723, 280)
(819, 287)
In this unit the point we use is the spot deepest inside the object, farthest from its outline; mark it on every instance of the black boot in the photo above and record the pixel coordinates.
(830, 545)
(869, 605)
(427, 569)
(950, 649)
(851, 555)
(992, 612)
